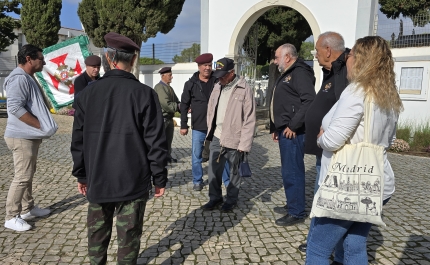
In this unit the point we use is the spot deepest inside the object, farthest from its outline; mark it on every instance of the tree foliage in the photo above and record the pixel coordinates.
(188, 55)
(417, 10)
(149, 61)
(277, 26)
(41, 21)
(7, 23)
(305, 50)
(137, 19)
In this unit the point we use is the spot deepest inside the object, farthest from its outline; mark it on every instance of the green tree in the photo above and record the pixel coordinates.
(137, 19)
(8, 24)
(417, 10)
(277, 26)
(147, 60)
(188, 55)
(41, 21)
(305, 50)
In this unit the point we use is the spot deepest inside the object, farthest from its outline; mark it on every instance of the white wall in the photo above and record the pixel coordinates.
(417, 107)
(222, 20)
(181, 73)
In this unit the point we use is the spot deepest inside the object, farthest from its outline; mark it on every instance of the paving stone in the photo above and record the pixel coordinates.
(177, 231)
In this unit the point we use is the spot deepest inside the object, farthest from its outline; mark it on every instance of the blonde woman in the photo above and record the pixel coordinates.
(371, 74)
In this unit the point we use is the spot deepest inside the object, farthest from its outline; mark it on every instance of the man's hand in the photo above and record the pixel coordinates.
(159, 191)
(289, 133)
(189, 110)
(184, 131)
(30, 119)
(320, 133)
(275, 137)
(82, 188)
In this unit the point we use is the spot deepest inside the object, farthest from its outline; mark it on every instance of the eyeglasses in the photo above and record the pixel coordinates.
(42, 59)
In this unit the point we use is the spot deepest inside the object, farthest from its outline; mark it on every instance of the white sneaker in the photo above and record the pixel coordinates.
(35, 212)
(17, 224)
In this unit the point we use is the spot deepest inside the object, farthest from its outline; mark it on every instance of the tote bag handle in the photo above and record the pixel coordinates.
(368, 110)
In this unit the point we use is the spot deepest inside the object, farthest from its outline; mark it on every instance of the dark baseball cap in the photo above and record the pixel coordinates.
(223, 66)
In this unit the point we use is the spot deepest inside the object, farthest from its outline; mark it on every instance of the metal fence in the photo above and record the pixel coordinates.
(164, 53)
(405, 31)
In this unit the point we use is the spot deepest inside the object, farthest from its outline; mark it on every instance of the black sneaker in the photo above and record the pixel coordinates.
(289, 220)
(303, 247)
(198, 187)
(281, 209)
(228, 207)
(212, 205)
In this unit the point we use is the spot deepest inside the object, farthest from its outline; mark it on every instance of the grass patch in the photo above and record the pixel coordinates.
(421, 136)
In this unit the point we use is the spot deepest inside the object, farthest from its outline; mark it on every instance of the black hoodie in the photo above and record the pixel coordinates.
(195, 98)
(293, 94)
(333, 84)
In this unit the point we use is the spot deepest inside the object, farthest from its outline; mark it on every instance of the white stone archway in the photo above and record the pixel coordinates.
(253, 13)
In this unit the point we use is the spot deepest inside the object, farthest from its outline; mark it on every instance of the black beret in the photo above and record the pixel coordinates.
(121, 43)
(93, 60)
(165, 70)
(204, 58)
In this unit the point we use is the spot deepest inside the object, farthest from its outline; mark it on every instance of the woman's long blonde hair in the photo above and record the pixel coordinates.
(373, 70)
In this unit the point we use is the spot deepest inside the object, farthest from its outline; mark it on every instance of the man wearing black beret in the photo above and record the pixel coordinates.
(169, 104)
(92, 65)
(118, 145)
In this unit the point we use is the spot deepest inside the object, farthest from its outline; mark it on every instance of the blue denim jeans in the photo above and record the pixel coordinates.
(293, 173)
(198, 140)
(347, 238)
(326, 234)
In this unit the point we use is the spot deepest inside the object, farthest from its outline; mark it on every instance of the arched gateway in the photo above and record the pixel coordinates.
(224, 23)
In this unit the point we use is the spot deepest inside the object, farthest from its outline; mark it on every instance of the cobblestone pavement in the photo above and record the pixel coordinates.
(176, 231)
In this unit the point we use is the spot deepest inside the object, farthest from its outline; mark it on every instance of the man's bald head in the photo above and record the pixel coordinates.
(329, 47)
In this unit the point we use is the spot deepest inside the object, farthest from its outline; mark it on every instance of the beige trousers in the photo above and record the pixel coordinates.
(19, 199)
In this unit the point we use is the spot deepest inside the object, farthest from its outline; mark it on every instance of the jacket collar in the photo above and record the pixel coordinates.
(340, 61)
(119, 73)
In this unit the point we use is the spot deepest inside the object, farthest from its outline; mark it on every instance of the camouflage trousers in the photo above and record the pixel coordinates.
(129, 223)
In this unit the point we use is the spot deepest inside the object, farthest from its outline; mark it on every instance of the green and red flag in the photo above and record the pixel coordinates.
(64, 62)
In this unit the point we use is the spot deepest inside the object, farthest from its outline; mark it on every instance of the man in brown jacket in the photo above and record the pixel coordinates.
(231, 123)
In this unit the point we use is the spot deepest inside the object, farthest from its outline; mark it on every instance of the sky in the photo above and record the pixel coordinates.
(187, 27)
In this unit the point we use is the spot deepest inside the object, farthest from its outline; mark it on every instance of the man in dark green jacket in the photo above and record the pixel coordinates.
(169, 104)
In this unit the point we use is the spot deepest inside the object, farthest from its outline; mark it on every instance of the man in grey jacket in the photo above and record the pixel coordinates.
(231, 123)
(28, 123)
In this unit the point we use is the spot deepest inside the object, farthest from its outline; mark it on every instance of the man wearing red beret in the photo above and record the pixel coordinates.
(196, 96)
(118, 146)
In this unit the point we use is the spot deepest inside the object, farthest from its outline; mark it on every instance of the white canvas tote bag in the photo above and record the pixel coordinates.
(353, 187)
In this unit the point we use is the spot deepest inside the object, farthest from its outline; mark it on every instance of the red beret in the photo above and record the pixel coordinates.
(165, 70)
(93, 60)
(121, 43)
(204, 58)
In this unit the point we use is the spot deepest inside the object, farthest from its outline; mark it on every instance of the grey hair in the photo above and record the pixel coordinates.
(333, 40)
(288, 48)
(118, 56)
